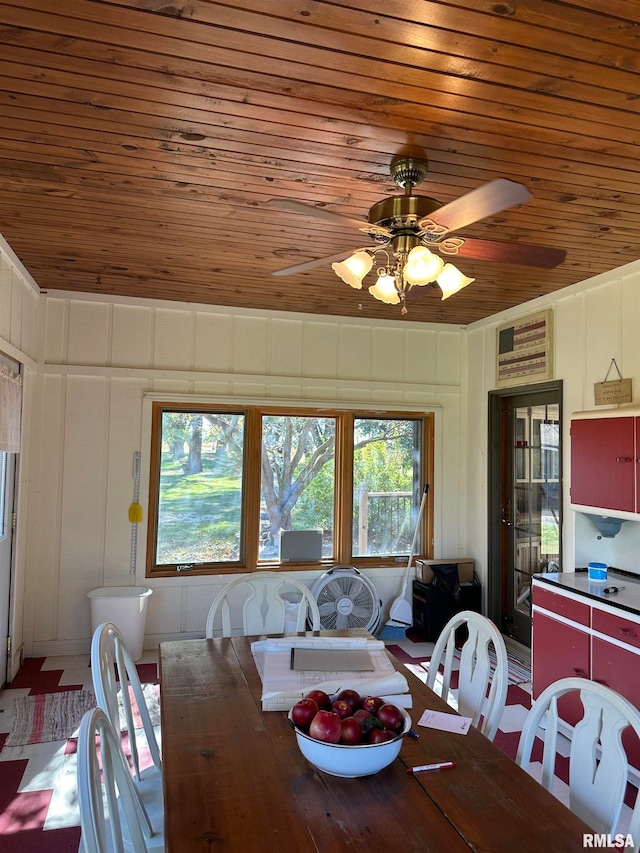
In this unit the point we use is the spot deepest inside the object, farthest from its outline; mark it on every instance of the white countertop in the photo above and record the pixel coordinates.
(627, 599)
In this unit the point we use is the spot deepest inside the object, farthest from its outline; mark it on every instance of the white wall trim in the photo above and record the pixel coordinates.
(16, 263)
(262, 379)
(204, 307)
(18, 355)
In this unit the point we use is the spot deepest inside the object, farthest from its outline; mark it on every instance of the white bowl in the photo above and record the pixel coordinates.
(350, 762)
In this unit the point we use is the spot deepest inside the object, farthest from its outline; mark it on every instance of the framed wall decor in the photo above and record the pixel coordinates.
(524, 350)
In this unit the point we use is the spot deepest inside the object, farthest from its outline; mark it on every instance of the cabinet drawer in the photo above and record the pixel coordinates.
(577, 611)
(616, 627)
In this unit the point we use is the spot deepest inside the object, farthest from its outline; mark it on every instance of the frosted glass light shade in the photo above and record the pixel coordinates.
(422, 266)
(354, 269)
(385, 290)
(451, 280)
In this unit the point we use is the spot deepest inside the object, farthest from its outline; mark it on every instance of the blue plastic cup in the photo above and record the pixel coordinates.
(597, 571)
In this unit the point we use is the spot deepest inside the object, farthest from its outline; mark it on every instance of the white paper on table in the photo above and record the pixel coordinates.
(445, 722)
(282, 687)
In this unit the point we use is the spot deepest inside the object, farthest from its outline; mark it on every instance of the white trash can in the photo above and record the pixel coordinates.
(292, 602)
(126, 608)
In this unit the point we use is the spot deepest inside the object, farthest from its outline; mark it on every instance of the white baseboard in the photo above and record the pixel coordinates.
(49, 648)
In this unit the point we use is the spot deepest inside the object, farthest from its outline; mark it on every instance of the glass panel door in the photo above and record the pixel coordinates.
(525, 499)
(535, 505)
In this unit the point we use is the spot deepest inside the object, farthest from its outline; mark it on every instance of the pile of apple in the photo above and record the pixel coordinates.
(347, 718)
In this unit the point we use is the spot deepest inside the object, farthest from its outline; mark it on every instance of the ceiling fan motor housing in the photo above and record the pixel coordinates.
(402, 211)
(409, 170)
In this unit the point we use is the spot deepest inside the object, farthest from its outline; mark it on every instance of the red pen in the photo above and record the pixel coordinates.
(444, 765)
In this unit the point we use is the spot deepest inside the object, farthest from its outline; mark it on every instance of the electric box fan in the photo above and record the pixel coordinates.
(346, 599)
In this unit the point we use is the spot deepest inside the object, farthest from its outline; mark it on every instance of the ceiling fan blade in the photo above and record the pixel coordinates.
(478, 204)
(309, 265)
(317, 212)
(511, 253)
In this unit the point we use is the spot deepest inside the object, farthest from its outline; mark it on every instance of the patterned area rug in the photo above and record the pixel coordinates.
(519, 671)
(48, 717)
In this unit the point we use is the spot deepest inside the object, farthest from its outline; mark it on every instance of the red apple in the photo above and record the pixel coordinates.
(351, 731)
(320, 698)
(372, 703)
(380, 735)
(367, 721)
(342, 709)
(391, 717)
(351, 697)
(303, 712)
(326, 726)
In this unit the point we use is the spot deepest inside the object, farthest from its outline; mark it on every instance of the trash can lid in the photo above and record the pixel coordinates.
(120, 592)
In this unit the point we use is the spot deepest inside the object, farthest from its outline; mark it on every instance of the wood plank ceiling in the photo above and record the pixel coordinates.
(141, 139)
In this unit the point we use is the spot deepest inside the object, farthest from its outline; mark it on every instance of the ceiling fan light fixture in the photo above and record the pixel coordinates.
(354, 268)
(410, 225)
(422, 266)
(385, 289)
(451, 280)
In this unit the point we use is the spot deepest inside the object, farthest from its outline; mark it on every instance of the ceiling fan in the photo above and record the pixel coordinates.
(404, 229)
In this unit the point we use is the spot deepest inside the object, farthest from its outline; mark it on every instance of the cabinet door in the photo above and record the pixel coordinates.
(617, 668)
(602, 463)
(558, 651)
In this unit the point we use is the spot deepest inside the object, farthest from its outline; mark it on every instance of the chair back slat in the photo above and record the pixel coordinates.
(598, 764)
(104, 779)
(264, 609)
(114, 672)
(482, 686)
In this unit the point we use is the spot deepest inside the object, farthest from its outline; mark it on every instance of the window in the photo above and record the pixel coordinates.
(225, 483)
(386, 472)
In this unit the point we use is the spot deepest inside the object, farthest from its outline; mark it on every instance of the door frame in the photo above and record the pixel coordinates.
(11, 503)
(496, 586)
(6, 607)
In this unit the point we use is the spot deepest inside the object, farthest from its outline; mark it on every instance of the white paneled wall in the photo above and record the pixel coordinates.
(94, 363)
(103, 361)
(593, 323)
(20, 302)
(19, 296)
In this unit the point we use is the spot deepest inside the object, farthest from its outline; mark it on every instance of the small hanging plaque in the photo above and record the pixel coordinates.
(615, 391)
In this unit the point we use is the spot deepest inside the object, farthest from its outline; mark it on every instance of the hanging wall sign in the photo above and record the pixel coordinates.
(525, 350)
(615, 391)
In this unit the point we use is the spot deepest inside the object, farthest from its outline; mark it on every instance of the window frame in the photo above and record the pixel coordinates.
(343, 509)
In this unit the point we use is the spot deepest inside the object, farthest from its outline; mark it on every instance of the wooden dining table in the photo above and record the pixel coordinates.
(235, 780)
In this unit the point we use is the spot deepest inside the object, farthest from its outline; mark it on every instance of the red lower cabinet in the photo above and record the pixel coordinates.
(559, 651)
(619, 669)
(573, 637)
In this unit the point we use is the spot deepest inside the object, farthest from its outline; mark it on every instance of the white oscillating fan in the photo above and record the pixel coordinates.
(346, 599)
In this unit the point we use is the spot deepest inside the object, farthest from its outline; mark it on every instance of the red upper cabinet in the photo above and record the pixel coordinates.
(604, 463)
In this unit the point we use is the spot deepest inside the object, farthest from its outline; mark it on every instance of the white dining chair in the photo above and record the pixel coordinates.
(482, 683)
(113, 815)
(114, 673)
(598, 764)
(264, 611)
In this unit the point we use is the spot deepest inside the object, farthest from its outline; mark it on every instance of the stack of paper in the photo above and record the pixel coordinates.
(371, 674)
